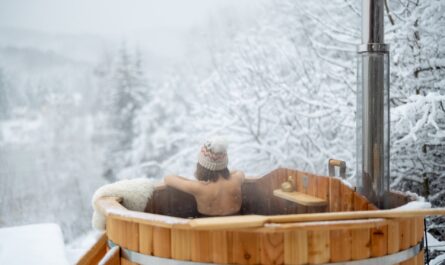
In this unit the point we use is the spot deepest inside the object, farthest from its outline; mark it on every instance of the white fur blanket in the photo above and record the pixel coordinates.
(134, 192)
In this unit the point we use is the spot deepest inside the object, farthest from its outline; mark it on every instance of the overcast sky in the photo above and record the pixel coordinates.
(113, 17)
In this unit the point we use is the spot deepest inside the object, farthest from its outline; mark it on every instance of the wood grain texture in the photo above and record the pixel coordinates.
(334, 195)
(316, 238)
(413, 228)
(379, 241)
(341, 245)
(299, 198)
(420, 229)
(220, 247)
(332, 225)
(130, 236)
(245, 248)
(393, 237)
(360, 203)
(361, 244)
(404, 230)
(180, 244)
(347, 198)
(312, 185)
(323, 191)
(296, 247)
(95, 253)
(146, 239)
(161, 242)
(272, 248)
(201, 246)
(318, 247)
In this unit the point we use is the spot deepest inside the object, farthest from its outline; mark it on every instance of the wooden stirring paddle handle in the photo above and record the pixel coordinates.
(251, 221)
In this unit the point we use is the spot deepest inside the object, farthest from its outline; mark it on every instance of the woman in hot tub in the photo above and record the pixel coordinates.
(217, 190)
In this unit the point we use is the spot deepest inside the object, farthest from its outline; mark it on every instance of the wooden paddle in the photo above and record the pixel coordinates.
(251, 221)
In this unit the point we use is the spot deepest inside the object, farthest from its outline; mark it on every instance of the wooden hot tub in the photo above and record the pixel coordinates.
(325, 222)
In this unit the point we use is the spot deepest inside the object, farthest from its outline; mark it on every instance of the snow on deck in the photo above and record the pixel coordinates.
(32, 244)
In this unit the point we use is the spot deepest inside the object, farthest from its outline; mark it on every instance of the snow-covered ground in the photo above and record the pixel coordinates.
(38, 244)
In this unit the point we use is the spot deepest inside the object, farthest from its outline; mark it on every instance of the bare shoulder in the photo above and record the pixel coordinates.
(237, 174)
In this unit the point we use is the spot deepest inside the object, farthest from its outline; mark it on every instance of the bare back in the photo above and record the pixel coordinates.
(222, 197)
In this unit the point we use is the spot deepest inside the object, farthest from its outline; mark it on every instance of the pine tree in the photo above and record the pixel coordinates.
(128, 92)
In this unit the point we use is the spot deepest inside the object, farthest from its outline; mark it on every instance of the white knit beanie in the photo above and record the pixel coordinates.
(213, 155)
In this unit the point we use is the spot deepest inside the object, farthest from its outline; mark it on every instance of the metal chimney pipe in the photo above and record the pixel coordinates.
(373, 106)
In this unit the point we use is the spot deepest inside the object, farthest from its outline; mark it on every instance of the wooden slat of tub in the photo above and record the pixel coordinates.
(112, 230)
(393, 237)
(360, 203)
(404, 237)
(372, 207)
(413, 235)
(145, 239)
(334, 195)
(180, 244)
(312, 190)
(340, 245)
(323, 191)
(201, 245)
(420, 229)
(361, 244)
(277, 205)
(257, 192)
(130, 239)
(119, 230)
(296, 247)
(347, 198)
(161, 242)
(312, 184)
(220, 247)
(245, 248)
(272, 248)
(379, 241)
(318, 247)
(300, 187)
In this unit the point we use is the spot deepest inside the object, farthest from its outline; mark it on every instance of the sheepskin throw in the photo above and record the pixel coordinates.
(135, 194)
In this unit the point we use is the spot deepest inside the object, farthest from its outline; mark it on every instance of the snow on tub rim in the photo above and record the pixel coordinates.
(272, 228)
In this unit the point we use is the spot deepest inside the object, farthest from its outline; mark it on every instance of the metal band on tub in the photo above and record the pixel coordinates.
(144, 259)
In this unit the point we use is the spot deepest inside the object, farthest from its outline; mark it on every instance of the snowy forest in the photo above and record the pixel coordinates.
(279, 82)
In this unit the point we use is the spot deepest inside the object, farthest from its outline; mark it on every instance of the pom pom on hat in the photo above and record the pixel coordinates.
(213, 154)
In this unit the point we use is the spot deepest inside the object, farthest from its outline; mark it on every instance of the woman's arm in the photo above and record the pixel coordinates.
(182, 184)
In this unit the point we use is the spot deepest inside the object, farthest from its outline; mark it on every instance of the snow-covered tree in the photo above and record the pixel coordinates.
(417, 41)
(281, 94)
(127, 93)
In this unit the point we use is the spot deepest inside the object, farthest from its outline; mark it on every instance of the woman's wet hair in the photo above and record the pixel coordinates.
(204, 174)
